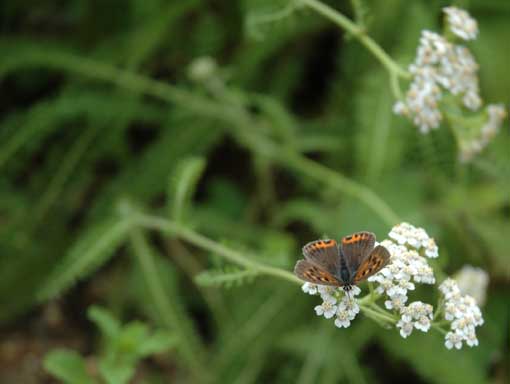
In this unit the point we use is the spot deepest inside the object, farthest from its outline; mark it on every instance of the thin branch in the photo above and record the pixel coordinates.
(359, 33)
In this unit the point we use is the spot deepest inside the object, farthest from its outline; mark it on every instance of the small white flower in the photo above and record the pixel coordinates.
(327, 292)
(396, 302)
(450, 289)
(349, 305)
(342, 320)
(310, 288)
(417, 315)
(471, 339)
(496, 113)
(355, 291)
(347, 310)
(327, 309)
(431, 249)
(461, 23)
(453, 339)
(423, 324)
(406, 328)
(464, 314)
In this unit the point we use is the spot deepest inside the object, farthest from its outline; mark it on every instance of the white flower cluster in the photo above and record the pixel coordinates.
(417, 238)
(335, 303)
(473, 281)
(463, 313)
(416, 315)
(443, 65)
(461, 23)
(406, 268)
(496, 113)
(439, 64)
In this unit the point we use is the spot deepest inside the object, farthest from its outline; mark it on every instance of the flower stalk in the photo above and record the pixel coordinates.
(359, 33)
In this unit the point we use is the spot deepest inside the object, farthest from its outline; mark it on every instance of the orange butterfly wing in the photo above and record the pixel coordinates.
(312, 273)
(376, 261)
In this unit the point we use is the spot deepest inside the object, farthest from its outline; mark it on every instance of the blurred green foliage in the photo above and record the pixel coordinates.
(289, 137)
(124, 347)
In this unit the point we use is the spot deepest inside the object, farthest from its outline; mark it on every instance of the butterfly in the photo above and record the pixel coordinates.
(346, 265)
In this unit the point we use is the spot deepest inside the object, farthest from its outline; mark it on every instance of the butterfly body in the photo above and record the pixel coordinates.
(327, 263)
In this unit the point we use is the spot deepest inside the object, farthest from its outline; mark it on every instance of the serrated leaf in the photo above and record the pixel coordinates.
(68, 366)
(89, 252)
(225, 277)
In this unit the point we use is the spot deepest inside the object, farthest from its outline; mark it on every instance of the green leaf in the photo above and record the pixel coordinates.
(68, 366)
(130, 338)
(227, 277)
(182, 185)
(115, 373)
(105, 321)
(158, 342)
(90, 251)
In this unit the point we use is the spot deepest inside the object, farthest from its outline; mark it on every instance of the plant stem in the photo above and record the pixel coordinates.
(200, 241)
(359, 33)
(377, 315)
(438, 328)
(439, 308)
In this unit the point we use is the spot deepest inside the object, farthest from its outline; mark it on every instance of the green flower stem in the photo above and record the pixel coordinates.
(200, 241)
(359, 33)
(439, 308)
(371, 290)
(369, 299)
(438, 328)
(376, 315)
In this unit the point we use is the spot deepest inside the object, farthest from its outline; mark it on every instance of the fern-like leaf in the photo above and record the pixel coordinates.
(227, 277)
(90, 252)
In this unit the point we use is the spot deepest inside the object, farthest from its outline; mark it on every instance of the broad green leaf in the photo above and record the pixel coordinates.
(68, 366)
